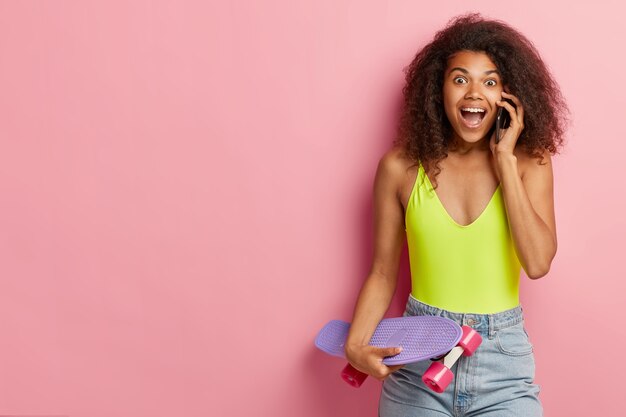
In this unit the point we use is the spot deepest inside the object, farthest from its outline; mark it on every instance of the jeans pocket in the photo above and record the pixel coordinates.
(514, 341)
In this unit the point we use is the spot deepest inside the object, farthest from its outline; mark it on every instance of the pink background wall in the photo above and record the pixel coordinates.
(185, 199)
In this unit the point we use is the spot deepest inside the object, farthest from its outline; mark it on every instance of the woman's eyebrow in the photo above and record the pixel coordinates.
(464, 71)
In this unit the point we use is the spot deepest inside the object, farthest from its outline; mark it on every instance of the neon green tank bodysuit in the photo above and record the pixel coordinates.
(467, 269)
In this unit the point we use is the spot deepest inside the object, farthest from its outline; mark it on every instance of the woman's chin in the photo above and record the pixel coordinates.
(474, 135)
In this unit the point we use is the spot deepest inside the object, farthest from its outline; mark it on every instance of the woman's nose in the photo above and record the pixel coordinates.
(473, 92)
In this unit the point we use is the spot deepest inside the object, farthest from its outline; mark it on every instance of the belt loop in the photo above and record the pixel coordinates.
(492, 330)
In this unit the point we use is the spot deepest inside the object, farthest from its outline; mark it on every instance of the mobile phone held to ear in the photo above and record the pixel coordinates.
(503, 119)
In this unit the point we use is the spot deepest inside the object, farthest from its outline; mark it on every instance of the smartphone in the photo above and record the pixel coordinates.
(503, 119)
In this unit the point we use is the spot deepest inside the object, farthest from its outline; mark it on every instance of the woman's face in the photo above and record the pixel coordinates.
(471, 81)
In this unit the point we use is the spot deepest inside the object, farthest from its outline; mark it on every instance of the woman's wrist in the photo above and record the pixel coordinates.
(352, 347)
(504, 157)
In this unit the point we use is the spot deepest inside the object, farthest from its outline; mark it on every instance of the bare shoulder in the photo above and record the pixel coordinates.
(396, 156)
(393, 166)
(528, 163)
(395, 163)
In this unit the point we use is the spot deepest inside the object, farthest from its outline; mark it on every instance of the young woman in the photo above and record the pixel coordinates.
(487, 213)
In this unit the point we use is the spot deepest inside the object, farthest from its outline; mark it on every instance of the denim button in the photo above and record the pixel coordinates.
(471, 322)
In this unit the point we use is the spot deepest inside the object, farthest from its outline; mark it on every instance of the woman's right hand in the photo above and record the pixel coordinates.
(369, 359)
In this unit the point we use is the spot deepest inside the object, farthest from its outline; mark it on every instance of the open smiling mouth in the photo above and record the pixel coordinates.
(472, 117)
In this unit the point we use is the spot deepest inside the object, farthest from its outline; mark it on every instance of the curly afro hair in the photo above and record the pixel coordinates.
(424, 131)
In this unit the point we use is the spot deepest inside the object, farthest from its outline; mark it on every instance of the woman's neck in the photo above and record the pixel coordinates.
(462, 148)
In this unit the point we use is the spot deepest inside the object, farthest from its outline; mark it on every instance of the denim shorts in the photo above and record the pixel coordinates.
(496, 381)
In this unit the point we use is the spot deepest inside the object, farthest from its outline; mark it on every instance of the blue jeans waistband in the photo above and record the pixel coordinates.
(483, 323)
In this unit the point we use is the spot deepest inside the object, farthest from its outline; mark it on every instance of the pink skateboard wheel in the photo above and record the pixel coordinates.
(470, 340)
(437, 377)
(353, 376)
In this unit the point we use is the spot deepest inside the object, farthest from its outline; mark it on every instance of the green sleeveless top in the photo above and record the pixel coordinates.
(466, 269)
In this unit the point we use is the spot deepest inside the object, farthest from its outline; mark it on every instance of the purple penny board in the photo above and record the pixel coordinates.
(421, 337)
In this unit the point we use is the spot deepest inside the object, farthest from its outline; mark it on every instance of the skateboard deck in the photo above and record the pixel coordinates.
(421, 337)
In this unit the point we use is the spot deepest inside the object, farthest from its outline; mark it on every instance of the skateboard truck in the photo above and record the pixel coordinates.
(438, 376)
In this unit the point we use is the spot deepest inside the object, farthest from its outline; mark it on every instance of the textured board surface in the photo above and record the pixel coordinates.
(421, 337)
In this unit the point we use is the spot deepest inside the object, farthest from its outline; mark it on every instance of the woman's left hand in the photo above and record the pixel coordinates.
(509, 136)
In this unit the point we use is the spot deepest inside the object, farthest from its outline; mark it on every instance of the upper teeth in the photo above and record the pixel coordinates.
(473, 109)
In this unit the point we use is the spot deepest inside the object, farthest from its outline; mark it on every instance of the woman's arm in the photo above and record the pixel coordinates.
(529, 201)
(380, 285)
(529, 204)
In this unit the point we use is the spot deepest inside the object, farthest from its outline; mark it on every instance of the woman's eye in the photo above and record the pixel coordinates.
(456, 80)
